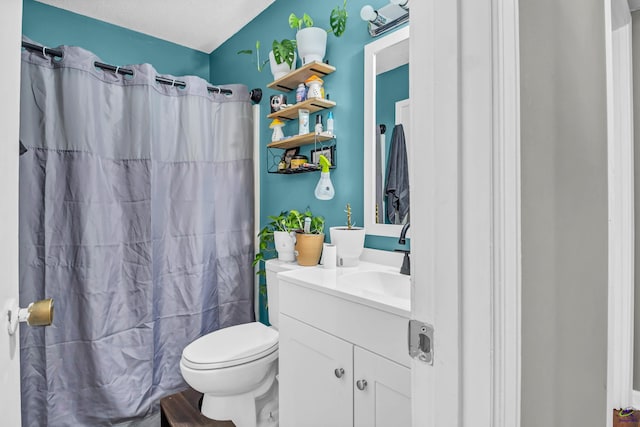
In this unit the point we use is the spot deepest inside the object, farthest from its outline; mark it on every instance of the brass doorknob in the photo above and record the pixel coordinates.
(39, 313)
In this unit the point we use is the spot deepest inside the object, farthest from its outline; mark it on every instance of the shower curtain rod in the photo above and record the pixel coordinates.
(256, 94)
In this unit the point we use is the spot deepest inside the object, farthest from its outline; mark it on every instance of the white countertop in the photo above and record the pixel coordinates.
(327, 281)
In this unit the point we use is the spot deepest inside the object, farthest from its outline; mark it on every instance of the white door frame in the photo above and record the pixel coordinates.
(10, 34)
(506, 313)
(466, 245)
(435, 246)
(620, 154)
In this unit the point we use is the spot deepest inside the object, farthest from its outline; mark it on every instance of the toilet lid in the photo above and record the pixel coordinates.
(231, 346)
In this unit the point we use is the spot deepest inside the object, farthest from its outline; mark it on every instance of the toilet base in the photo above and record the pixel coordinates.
(243, 409)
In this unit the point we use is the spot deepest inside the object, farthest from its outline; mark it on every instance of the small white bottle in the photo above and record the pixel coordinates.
(303, 121)
(330, 123)
(318, 127)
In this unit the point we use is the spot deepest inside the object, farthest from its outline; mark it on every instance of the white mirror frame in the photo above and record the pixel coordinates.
(371, 52)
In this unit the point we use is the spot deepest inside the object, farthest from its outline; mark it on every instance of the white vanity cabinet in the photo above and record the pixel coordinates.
(316, 377)
(385, 399)
(342, 363)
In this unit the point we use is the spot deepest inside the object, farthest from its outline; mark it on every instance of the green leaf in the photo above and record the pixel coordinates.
(259, 257)
(294, 22)
(338, 20)
(308, 22)
(284, 51)
(259, 63)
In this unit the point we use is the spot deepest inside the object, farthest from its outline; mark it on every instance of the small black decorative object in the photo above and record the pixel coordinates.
(276, 102)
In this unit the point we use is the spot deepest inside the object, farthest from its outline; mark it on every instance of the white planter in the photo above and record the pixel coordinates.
(285, 245)
(281, 70)
(312, 44)
(349, 245)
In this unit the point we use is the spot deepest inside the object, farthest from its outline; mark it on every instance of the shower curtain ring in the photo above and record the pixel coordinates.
(117, 69)
(173, 83)
(44, 51)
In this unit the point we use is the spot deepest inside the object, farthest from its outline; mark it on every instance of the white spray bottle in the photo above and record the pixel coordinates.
(324, 189)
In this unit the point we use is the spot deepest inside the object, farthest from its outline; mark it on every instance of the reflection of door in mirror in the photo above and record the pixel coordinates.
(386, 84)
(392, 108)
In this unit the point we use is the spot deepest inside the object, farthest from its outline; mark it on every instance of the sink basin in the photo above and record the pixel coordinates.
(377, 283)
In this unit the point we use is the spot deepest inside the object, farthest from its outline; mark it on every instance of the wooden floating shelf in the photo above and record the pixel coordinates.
(294, 78)
(300, 140)
(313, 105)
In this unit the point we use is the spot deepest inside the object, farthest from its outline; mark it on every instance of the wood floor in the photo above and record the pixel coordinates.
(181, 410)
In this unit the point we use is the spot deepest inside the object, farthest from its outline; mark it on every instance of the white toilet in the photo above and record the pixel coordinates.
(236, 367)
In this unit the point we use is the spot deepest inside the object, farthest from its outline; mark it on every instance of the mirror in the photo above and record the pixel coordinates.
(386, 102)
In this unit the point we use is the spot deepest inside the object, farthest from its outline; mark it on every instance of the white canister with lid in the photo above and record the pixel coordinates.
(315, 87)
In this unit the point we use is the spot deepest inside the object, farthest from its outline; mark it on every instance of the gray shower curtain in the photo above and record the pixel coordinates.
(136, 217)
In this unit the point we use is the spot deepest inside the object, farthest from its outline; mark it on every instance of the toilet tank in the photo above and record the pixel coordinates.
(273, 267)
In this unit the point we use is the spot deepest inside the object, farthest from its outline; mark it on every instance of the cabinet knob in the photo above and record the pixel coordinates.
(361, 384)
(339, 372)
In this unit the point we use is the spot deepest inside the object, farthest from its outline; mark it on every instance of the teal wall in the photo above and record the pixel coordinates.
(346, 87)
(391, 87)
(112, 44)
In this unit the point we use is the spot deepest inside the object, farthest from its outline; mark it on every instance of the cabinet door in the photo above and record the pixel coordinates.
(385, 400)
(316, 377)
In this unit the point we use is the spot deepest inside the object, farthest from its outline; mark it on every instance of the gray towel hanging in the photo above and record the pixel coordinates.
(397, 186)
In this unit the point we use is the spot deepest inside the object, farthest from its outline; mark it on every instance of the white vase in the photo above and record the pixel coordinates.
(281, 70)
(285, 245)
(349, 244)
(312, 44)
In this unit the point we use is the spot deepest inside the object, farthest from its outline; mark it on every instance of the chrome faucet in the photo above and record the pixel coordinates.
(406, 262)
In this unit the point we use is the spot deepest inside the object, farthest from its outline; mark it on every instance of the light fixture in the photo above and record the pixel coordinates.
(402, 3)
(367, 13)
(386, 18)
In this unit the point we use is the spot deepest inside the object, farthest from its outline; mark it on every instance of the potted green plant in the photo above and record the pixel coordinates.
(312, 41)
(282, 57)
(309, 237)
(277, 236)
(349, 241)
(289, 232)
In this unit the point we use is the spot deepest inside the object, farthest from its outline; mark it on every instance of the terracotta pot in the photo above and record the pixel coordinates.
(309, 248)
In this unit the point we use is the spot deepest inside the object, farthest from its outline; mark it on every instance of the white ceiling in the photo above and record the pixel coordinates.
(198, 24)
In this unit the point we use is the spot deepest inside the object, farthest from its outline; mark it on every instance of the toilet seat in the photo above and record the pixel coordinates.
(231, 346)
